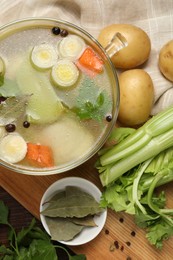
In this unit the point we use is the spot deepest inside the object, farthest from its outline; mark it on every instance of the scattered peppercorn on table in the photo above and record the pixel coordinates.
(120, 238)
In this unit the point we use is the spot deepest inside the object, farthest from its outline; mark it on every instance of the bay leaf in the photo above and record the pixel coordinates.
(74, 206)
(57, 196)
(12, 109)
(87, 221)
(62, 229)
(74, 191)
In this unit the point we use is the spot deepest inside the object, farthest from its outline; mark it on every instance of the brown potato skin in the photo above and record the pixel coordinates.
(138, 49)
(166, 60)
(136, 97)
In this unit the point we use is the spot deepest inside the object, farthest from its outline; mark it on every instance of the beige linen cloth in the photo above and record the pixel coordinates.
(153, 16)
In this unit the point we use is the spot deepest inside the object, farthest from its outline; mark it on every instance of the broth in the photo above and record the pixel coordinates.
(70, 120)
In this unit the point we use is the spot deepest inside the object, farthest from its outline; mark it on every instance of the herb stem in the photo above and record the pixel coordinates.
(136, 184)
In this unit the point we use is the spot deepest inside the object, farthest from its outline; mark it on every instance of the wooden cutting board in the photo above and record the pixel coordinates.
(115, 240)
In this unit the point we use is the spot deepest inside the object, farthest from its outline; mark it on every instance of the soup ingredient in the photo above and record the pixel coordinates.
(138, 49)
(166, 60)
(39, 155)
(56, 30)
(91, 103)
(44, 56)
(69, 211)
(10, 128)
(2, 71)
(63, 32)
(13, 148)
(134, 194)
(2, 99)
(64, 135)
(30, 242)
(71, 47)
(26, 124)
(44, 105)
(136, 97)
(12, 109)
(147, 141)
(64, 73)
(90, 60)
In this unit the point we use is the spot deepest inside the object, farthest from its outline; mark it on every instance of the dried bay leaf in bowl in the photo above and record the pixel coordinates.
(62, 229)
(88, 227)
(76, 203)
(87, 221)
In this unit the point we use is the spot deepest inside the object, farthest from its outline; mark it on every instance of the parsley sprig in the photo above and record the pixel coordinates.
(31, 243)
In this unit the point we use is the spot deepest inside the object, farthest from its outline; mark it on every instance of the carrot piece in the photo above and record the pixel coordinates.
(39, 155)
(90, 60)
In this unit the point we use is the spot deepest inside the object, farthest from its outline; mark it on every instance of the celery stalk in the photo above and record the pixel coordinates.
(155, 146)
(156, 126)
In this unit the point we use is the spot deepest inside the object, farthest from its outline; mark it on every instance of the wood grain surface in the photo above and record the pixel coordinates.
(115, 240)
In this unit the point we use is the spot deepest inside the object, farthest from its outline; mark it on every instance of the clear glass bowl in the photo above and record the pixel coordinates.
(17, 26)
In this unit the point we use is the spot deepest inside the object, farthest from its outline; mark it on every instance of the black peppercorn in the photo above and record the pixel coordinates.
(109, 118)
(63, 33)
(2, 99)
(56, 30)
(10, 128)
(121, 220)
(128, 243)
(106, 231)
(133, 234)
(116, 244)
(26, 124)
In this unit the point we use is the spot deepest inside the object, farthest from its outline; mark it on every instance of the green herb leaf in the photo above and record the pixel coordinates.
(12, 109)
(4, 212)
(91, 104)
(42, 250)
(24, 232)
(159, 232)
(77, 257)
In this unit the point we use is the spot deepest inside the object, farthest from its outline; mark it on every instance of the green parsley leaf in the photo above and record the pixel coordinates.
(4, 212)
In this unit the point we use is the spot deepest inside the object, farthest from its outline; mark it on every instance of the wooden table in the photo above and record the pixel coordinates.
(115, 241)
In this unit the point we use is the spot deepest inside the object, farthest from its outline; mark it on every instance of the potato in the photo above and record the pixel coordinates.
(166, 60)
(136, 97)
(138, 49)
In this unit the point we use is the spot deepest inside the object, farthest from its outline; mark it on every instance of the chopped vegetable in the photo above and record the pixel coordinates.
(71, 47)
(44, 106)
(13, 148)
(91, 60)
(39, 155)
(65, 73)
(147, 141)
(44, 56)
